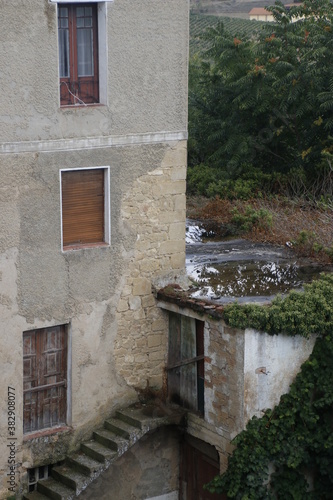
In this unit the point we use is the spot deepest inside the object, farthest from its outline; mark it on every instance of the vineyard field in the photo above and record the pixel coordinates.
(237, 27)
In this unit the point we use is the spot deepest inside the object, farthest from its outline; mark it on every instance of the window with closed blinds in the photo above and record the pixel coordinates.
(83, 207)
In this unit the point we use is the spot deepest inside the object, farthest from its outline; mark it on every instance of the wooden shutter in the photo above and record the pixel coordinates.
(83, 206)
(45, 378)
(188, 372)
(174, 357)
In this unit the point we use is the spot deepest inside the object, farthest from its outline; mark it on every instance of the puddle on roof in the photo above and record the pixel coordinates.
(243, 270)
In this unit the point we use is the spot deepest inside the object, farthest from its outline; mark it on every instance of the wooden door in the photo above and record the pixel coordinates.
(197, 469)
(186, 362)
(44, 378)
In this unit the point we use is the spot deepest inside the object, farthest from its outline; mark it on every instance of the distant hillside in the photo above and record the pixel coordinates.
(200, 22)
(229, 8)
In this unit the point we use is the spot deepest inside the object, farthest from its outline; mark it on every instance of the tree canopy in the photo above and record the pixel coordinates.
(264, 102)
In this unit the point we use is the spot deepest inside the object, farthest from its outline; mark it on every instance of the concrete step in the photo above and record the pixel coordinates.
(99, 452)
(109, 443)
(55, 490)
(122, 428)
(145, 418)
(70, 477)
(84, 463)
(132, 417)
(34, 495)
(111, 440)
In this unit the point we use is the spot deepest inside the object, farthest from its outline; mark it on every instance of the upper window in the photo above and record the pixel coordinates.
(78, 53)
(85, 207)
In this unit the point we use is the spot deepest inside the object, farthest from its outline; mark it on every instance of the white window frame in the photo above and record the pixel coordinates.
(107, 207)
(102, 45)
(79, 1)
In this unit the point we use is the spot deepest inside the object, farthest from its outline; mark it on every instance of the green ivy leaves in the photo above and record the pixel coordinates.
(300, 313)
(288, 453)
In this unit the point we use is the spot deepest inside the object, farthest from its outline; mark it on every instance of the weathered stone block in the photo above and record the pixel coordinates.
(141, 286)
(149, 265)
(177, 261)
(148, 301)
(158, 325)
(155, 340)
(156, 356)
(122, 306)
(177, 231)
(176, 156)
(171, 247)
(134, 303)
(178, 173)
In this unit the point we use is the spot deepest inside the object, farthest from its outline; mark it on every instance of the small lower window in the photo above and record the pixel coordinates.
(35, 474)
(85, 207)
(186, 362)
(39, 473)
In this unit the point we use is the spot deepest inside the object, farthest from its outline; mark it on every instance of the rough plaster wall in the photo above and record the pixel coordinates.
(270, 366)
(105, 294)
(29, 96)
(149, 469)
(224, 376)
(154, 211)
(224, 386)
(148, 96)
(39, 285)
(146, 68)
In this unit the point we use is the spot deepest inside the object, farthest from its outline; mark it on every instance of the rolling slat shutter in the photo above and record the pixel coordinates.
(83, 206)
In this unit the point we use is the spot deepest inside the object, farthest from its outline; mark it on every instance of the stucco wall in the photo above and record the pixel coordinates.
(271, 363)
(146, 71)
(117, 335)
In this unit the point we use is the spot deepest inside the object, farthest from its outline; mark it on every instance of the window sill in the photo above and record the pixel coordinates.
(46, 432)
(75, 106)
(82, 246)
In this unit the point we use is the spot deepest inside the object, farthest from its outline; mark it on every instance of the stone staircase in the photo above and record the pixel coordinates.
(107, 444)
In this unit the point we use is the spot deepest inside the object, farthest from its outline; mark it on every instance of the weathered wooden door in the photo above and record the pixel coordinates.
(44, 378)
(197, 469)
(186, 362)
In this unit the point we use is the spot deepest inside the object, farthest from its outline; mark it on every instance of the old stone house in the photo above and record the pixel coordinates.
(93, 167)
(93, 128)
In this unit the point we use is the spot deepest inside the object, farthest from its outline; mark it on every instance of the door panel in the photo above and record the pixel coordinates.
(196, 470)
(45, 378)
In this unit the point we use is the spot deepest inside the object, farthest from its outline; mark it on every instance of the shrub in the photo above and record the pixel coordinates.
(261, 218)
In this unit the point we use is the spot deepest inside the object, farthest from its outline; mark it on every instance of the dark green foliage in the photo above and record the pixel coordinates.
(199, 23)
(261, 218)
(291, 445)
(267, 100)
(299, 313)
(210, 182)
